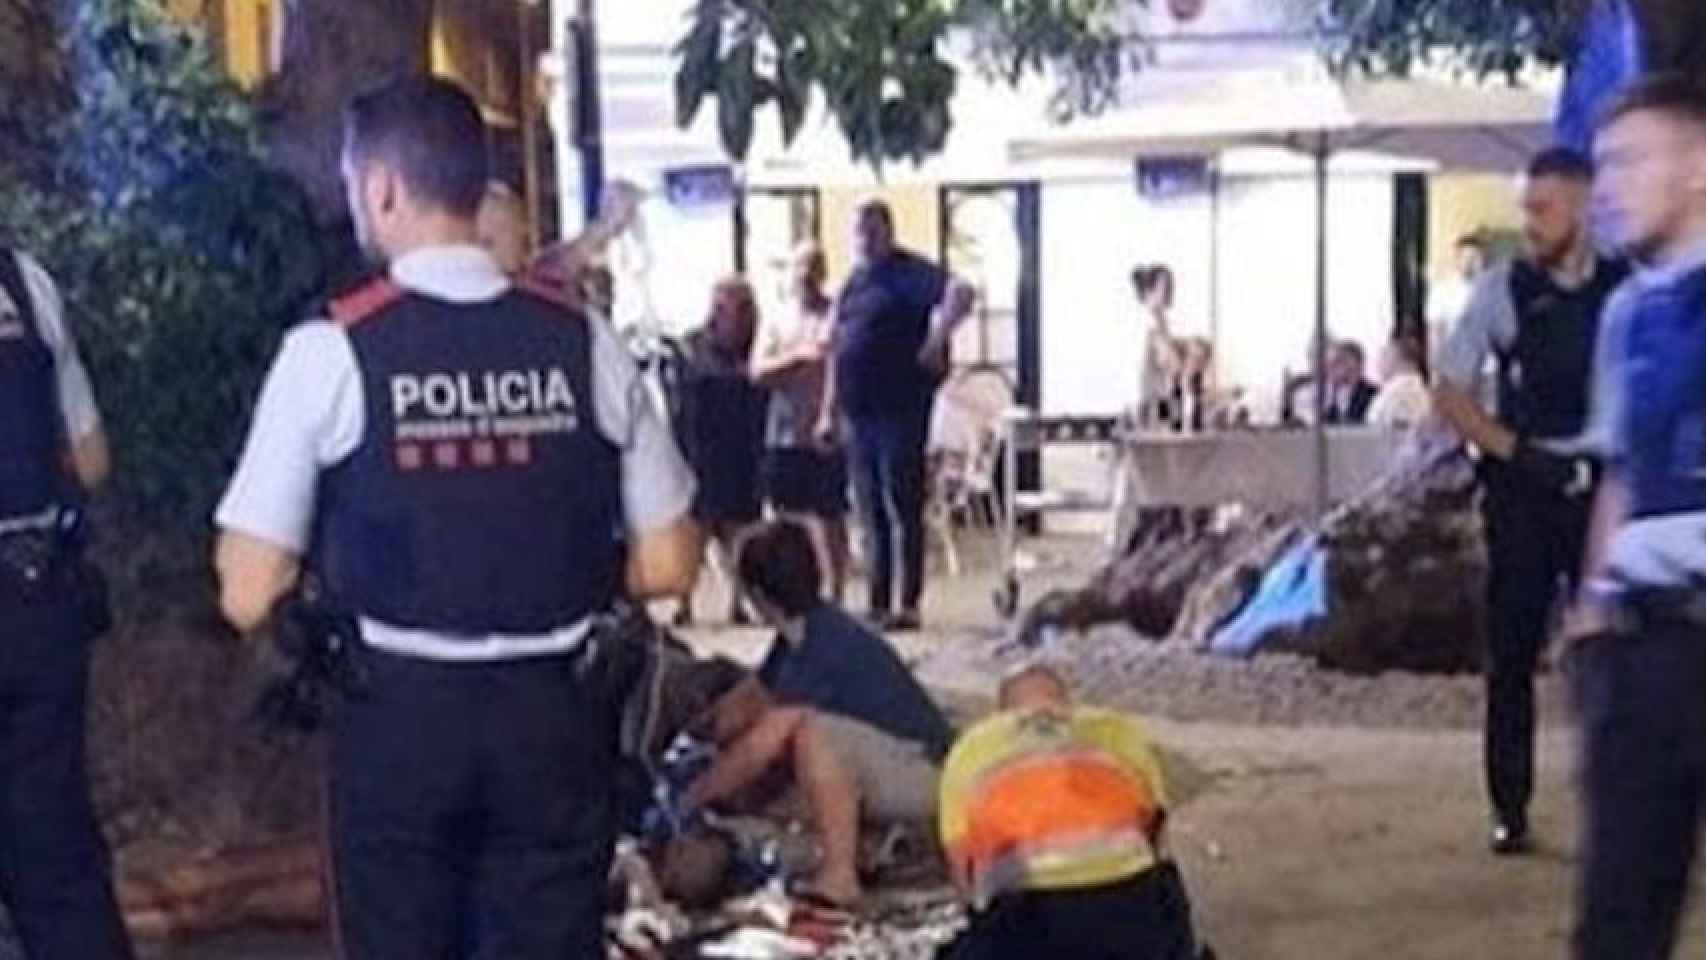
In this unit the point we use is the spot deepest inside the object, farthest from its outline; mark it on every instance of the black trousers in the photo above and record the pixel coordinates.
(1642, 701)
(1144, 918)
(1535, 538)
(886, 457)
(55, 873)
(471, 812)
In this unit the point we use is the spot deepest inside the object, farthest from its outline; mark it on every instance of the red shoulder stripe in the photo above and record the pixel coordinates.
(551, 293)
(365, 301)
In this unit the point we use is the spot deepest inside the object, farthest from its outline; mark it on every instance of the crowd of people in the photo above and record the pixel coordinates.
(466, 464)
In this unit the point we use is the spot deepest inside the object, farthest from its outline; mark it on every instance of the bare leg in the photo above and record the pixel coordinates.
(833, 795)
(830, 789)
(829, 542)
(724, 545)
(836, 545)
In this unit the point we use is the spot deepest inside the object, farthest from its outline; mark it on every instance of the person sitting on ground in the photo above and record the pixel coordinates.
(1404, 399)
(1052, 816)
(774, 758)
(824, 657)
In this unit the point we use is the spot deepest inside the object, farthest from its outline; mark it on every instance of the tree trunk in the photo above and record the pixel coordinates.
(332, 50)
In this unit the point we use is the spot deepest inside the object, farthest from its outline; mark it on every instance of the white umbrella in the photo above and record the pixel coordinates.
(1457, 125)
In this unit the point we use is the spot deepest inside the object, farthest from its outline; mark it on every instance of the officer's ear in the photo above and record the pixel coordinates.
(381, 188)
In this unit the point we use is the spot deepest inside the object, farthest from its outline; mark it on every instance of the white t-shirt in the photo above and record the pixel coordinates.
(312, 415)
(1403, 402)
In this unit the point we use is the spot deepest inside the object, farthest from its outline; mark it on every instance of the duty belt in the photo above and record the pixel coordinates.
(1667, 605)
(31, 523)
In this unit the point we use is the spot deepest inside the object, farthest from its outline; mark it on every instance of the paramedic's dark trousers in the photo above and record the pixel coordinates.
(1534, 554)
(471, 812)
(886, 458)
(55, 875)
(1642, 700)
(1137, 919)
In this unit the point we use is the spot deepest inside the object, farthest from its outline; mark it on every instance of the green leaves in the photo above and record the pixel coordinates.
(1486, 37)
(737, 97)
(179, 254)
(699, 71)
(879, 64)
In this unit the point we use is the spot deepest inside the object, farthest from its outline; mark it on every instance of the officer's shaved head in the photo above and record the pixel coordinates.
(428, 131)
(1032, 686)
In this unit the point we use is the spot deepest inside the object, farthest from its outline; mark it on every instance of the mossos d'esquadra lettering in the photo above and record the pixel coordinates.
(504, 402)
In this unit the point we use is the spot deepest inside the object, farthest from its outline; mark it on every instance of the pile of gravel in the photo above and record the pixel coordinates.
(1114, 666)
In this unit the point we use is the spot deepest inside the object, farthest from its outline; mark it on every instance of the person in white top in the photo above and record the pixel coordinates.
(1448, 298)
(805, 472)
(1404, 399)
(1160, 361)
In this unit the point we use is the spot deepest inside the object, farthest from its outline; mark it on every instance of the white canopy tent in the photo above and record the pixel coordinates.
(1301, 107)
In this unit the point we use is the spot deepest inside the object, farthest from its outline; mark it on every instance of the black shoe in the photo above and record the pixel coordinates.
(1509, 838)
(905, 621)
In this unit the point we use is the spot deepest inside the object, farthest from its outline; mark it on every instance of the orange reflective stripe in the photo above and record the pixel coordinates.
(1062, 798)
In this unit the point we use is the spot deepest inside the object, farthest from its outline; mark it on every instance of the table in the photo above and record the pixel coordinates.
(1265, 468)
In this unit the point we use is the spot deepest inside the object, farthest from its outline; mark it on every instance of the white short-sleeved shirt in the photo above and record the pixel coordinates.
(312, 415)
(1656, 552)
(77, 406)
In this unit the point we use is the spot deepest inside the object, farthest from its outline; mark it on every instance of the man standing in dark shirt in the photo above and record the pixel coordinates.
(891, 353)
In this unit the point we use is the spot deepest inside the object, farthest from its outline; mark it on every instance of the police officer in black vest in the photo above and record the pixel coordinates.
(54, 872)
(479, 473)
(1641, 619)
(1535, 320)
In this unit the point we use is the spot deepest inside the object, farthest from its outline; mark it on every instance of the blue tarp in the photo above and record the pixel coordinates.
(1610, 58)
(1292, 593)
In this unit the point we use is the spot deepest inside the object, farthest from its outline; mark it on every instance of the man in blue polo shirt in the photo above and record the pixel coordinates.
(1640, 621)
(891, 353)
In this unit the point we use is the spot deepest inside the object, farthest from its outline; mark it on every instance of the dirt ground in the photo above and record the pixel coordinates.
(1338, 819)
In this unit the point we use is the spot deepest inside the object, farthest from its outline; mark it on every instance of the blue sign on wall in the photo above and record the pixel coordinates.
(1177, 176)
(700, 186)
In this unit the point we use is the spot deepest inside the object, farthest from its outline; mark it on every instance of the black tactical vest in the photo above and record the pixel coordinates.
(30, 431)
(1544, 373)
(483, 498)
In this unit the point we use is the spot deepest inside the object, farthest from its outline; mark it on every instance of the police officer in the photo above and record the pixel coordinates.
(54, 873)
(1641, 619)
(1536, 318)
(466, 453)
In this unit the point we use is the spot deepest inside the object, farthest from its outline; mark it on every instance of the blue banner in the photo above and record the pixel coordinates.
(1610, 58)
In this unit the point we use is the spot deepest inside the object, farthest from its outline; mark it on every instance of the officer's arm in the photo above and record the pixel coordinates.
(664, 561)
(89, 459)
(1460, 362)
(253, 576)
(1472, 422)
(956, 306)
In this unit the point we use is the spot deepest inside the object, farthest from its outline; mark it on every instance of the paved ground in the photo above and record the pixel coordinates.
(1302, 841)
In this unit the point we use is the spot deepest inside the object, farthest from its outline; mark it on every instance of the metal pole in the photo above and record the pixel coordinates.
(529, 119)
(1214, 261)
(1322, 487)
(589, 117)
